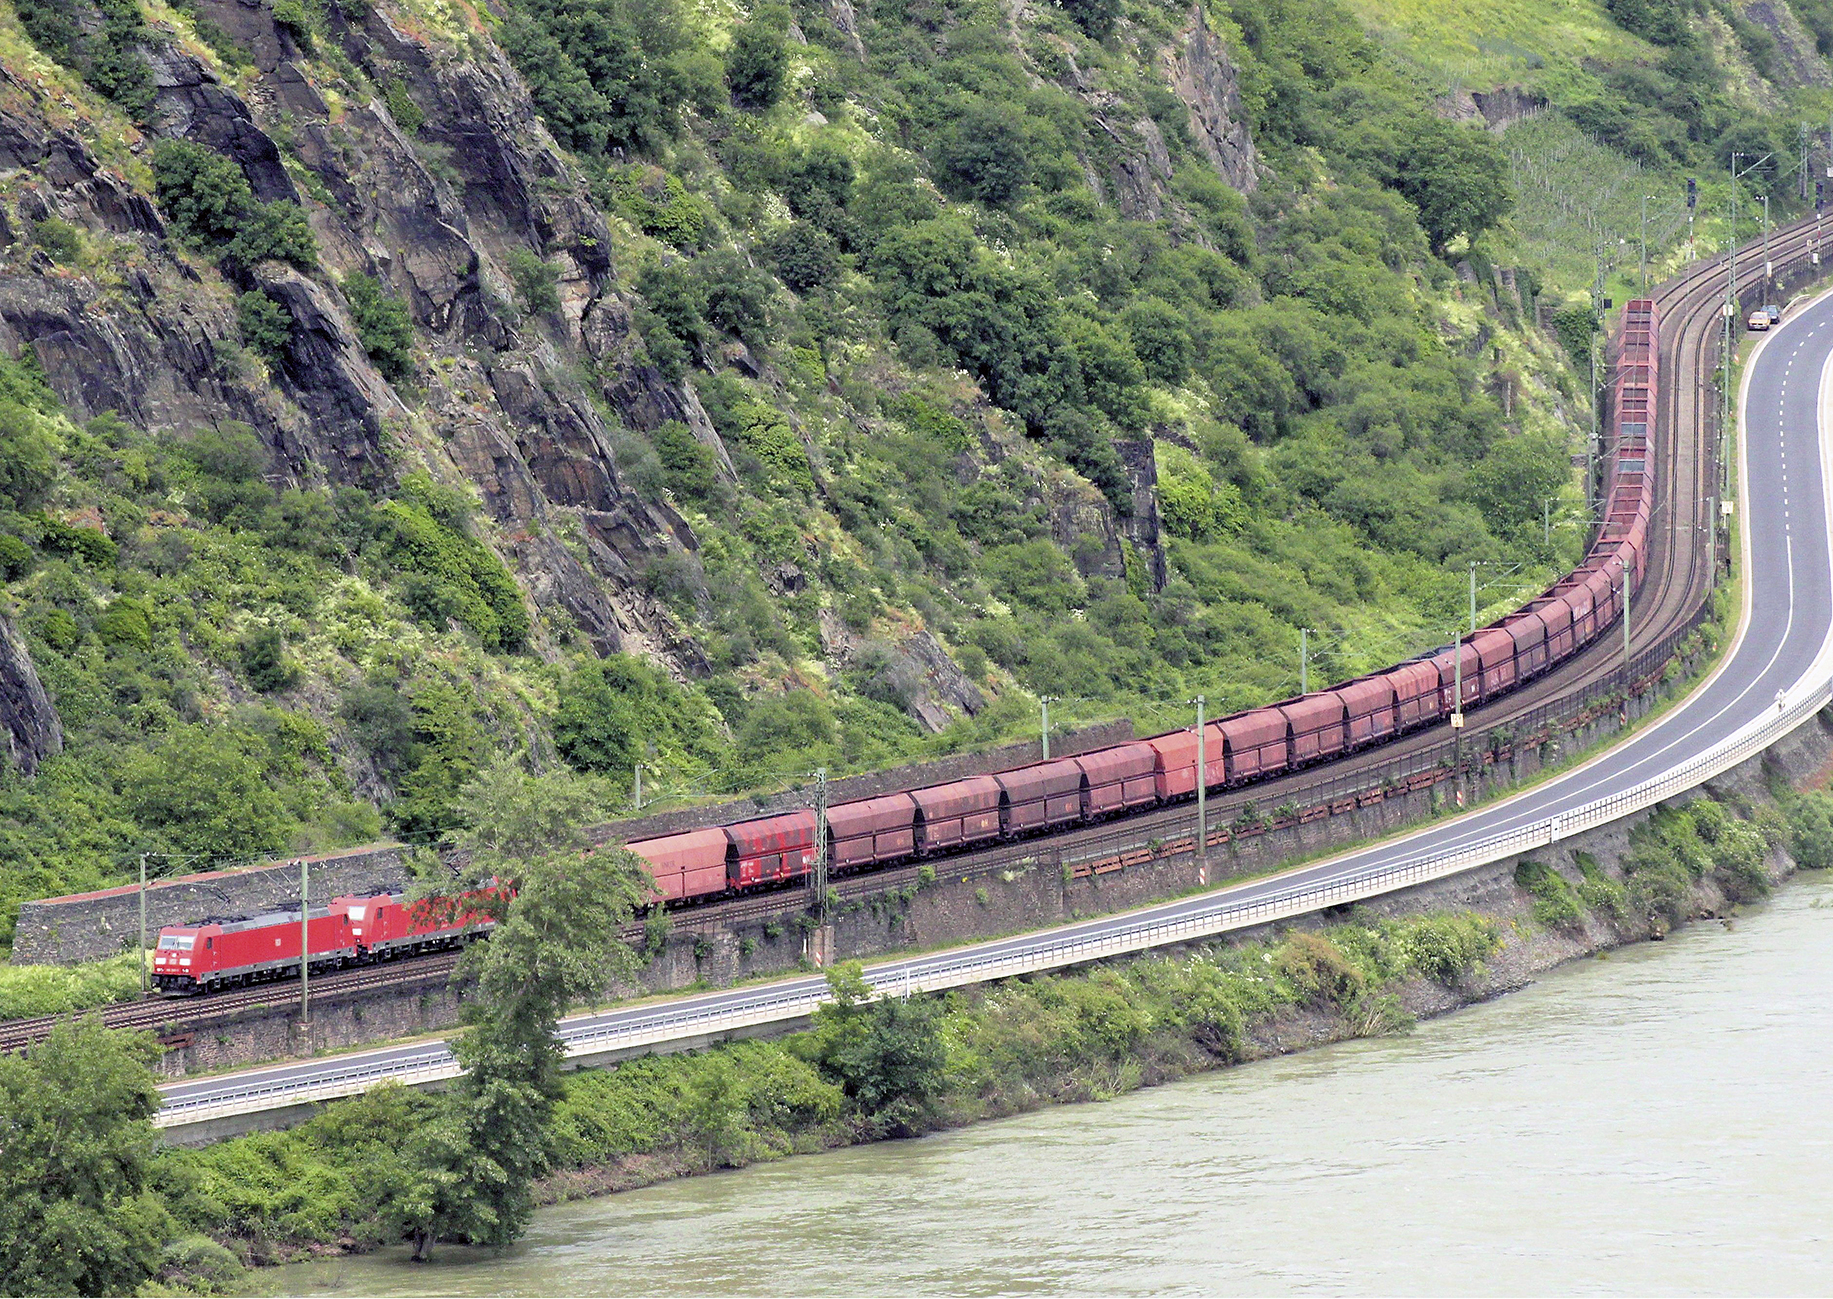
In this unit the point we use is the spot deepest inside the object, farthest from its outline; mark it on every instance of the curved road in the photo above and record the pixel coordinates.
(1789, 617)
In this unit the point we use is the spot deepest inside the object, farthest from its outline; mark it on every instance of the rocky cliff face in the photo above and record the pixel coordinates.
(1199, 68)
(152, 336)
(29, 725)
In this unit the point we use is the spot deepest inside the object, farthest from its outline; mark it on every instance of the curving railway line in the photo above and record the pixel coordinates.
(1672, 600)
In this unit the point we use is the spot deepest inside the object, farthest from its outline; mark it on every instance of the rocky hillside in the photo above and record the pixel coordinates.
(735, 392)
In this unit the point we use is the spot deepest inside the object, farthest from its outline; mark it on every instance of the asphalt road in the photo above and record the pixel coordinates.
(1786, 523)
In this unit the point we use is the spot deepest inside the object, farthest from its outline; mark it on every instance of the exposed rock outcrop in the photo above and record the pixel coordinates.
(1204, 77)
(29, 726)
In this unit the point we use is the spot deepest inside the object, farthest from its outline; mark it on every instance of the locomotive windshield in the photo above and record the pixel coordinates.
(182, 942)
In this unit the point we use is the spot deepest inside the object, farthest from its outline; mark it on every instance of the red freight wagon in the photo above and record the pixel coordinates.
(1043, 795)
(1496, 651)
(1319, 726)
(770, 848)
(872, 830)
(1175, 768)
(1530, 635)
(1556, 615)
(1118, 778)
(689, 865)
(1256, 743)
(1602, 586)
(1451, 676)
(1417, 699)
(1575, 593)
(1369, 705)
(960, 812)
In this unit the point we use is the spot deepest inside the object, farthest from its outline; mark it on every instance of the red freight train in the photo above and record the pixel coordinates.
(214, 954)
(1257, 744)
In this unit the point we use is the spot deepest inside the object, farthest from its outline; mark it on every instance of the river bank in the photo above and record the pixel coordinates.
(1629, 1125)
(1026, 1045)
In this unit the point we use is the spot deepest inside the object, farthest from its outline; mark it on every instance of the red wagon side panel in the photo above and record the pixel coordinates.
(1529, 632)
(1417, 697)
(1450, 677)
(1119, 778)
(1042, 795)
(1256, 743)
(686, 865)
(1175, 768)
(1369, 703)
(960, 812)
(872, 830)
(1556, 615)
(1318, 725)
(1496, 651)
(770, 848)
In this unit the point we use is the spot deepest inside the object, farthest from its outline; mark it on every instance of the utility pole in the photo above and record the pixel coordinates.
(305, 944)
(1044, 702)
(1804, 162)
(143, 974)
(1546, 522)
(1643, 260)
(1769, 269)
(1304, 660)
(818, 875)
(1202, 795)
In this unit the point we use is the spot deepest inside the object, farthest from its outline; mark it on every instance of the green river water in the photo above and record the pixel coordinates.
(1652, 1123)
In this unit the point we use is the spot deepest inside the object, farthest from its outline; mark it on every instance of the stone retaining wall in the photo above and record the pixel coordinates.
(87, 926)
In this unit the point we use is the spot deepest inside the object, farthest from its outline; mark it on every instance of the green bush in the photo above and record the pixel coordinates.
(408, 115)
(264, 661)
(383, 325)
(102, 40)
(804, 256)
(1556, 904)
(691, 468)
(61, 241)
(125, 624)
(276, 231)
(1810, 822)
(291, 17)
(759, 58)
(266, 326)
(536, 282)
(203, 193)
(30, 990)
(28, 456)
(16, 558)
(450, 575)
(88, 544)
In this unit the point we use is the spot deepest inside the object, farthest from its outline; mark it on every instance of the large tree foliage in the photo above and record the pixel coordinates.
(555, 944)
(79, 1212)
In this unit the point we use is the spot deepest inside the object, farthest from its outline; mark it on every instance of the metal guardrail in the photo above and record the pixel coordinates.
(936, 973)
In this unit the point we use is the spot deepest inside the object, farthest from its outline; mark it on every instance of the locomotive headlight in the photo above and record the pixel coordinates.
(184, 960)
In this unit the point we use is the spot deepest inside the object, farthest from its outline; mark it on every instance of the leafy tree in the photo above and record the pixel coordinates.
(204, 194)
(691, 467)
(759, 58)
(1810, 823)
(383, 325)
(537, 282)
(1456, 177)
(886, 1055)
(266, 326)
(203, 790)
(555, 944)
(102, 40)
(79, 1212)
(447, 742)
(28, 456)
(1095, 17)
(613, 711)
(984, 156)
(805, 257)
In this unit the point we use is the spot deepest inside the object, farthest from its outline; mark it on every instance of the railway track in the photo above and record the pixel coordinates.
(1682, 544)
(166, 1016)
